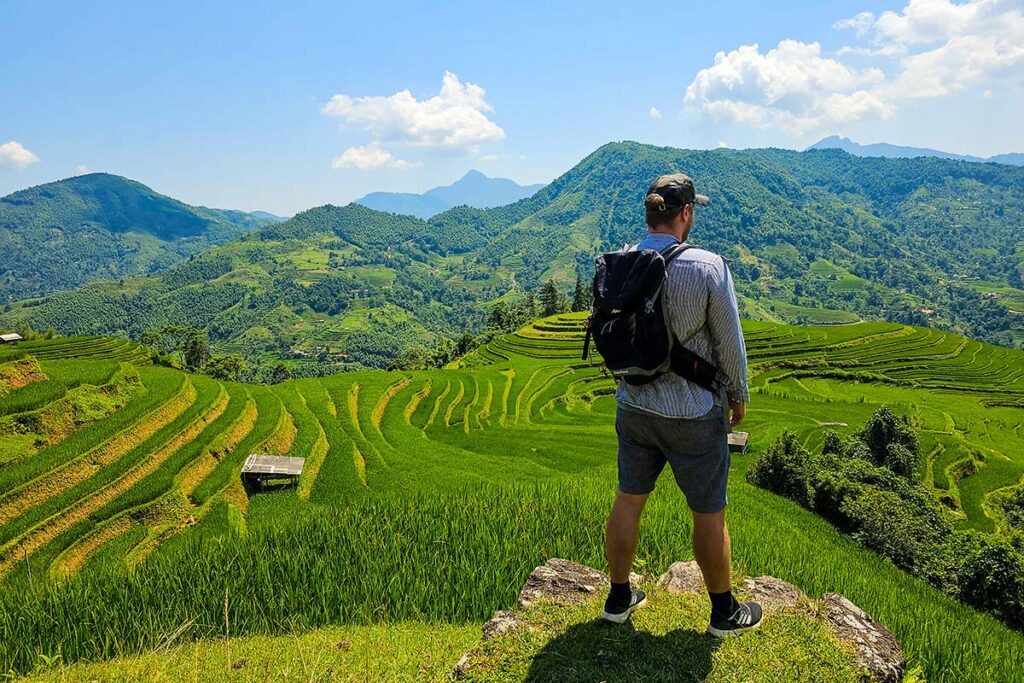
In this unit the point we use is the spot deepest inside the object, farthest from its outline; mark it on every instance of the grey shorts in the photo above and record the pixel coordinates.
(696, 450)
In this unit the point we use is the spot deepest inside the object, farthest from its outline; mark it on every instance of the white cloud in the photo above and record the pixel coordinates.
(930, 48)
(369, 157)
(455, 119)
(493, 157)
(945, 47)
(655, 113)
(81, 169)
(13, 155)
(791, 86)
(722, 144)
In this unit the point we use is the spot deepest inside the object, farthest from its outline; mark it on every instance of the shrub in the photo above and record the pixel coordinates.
(990, 576)
(783, 469)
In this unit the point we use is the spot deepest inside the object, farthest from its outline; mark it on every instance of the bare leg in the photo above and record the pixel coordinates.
(712, 550)
(621, 534)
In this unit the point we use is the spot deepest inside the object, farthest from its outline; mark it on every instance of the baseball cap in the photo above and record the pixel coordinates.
(677, 189)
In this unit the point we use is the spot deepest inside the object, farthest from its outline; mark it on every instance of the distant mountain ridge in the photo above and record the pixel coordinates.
(473, 189)
(888, 151)
(806, 231)
(63, 234)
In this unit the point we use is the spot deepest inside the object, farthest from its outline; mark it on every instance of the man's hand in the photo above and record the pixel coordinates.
(738, 410)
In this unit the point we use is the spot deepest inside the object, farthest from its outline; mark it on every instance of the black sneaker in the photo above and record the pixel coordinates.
(747, 617)
(618, 613)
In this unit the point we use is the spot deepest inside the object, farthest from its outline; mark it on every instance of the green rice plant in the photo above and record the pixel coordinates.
(303, 571)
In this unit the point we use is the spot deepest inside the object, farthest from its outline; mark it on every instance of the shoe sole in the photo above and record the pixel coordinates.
(729, 633)
(622, 617)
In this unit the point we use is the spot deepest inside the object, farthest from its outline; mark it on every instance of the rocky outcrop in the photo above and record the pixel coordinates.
(682, 577)
(501, 623)
(774, 594)
(877, 649)
(561, 582)
(564, 582)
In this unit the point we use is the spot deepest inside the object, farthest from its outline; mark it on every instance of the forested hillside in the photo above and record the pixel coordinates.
(101, 226)
(817, 236)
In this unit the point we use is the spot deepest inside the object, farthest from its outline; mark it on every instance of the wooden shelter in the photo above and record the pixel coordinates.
(11, 338)
(738, 442)
(263, 472)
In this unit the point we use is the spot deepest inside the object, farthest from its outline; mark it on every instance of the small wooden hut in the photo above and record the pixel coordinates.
(263, 472)
(738, 442)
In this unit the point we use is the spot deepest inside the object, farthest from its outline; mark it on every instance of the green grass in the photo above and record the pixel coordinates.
(481, 472)
(664, 641)
(407, 651)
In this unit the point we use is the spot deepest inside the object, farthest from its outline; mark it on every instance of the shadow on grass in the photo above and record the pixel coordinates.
(598, 651)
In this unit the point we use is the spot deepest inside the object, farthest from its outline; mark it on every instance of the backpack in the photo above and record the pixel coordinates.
(627, 321)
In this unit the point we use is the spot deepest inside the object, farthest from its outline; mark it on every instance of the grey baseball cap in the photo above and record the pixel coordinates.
(677, 189)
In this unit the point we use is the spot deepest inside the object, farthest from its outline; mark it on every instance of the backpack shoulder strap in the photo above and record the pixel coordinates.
(673, 250)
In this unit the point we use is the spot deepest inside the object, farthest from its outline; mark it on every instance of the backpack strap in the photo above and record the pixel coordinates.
(673, 250)
(686, 363)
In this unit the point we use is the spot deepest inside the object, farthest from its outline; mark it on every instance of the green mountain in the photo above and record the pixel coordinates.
(473, 189)
(814, 237)
(100, 226)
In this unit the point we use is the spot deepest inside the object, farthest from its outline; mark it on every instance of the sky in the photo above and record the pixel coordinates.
(284, 106)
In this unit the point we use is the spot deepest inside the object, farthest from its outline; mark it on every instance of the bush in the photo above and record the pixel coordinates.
(990, 576)
(783, 469)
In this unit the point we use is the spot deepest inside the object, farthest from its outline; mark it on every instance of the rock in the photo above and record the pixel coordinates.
(562, 582)
(773, 593)
(460, 670)
(682, 577)
(877, 649)
(501, 623)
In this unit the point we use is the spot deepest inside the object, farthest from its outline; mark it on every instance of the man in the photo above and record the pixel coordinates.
(676, 421)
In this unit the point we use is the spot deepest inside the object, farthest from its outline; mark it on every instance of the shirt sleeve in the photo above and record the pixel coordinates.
(726, 333)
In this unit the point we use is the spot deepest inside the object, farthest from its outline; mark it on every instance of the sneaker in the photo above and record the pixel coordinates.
(747, 617)
(617, 614)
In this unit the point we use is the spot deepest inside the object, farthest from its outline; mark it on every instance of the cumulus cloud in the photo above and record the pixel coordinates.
(792, 86)
(944, 47)
(81, 169)
(930, 48)
(655, 113)
(13, 155)
(368, 157)
(454, 119)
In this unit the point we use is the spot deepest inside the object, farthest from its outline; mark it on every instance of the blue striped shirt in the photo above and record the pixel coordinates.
(701, 310)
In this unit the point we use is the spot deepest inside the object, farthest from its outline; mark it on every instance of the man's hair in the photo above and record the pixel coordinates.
(657, 212)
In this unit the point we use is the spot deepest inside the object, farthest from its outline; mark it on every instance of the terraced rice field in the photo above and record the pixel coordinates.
(524, 409)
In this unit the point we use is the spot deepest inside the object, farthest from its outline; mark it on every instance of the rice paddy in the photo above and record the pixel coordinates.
(430, 495)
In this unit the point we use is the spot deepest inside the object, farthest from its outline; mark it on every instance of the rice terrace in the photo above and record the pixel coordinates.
(519, 428)
(570, 342)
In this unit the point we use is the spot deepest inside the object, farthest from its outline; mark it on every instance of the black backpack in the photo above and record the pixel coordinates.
(628, 324)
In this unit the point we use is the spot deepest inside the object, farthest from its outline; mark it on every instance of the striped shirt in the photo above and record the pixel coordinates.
(700, 309)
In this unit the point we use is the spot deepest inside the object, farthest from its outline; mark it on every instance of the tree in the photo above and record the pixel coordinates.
(582, 297)
(549, 298)
(280, 373)
(229, 367)
(531, 305)
(196, 351)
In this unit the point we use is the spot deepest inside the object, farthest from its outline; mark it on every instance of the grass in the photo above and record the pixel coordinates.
(664, 641)
(407, 651)
(481, 472)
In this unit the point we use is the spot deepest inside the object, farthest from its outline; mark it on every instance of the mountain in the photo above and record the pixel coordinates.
(473, 189)
(884, 149)
(820, 236)
(274, 218)
(101, 226)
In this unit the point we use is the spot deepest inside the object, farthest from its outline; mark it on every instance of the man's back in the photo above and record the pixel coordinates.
(701, 310)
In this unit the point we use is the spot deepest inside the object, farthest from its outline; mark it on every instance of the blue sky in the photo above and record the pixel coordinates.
(234, 105)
